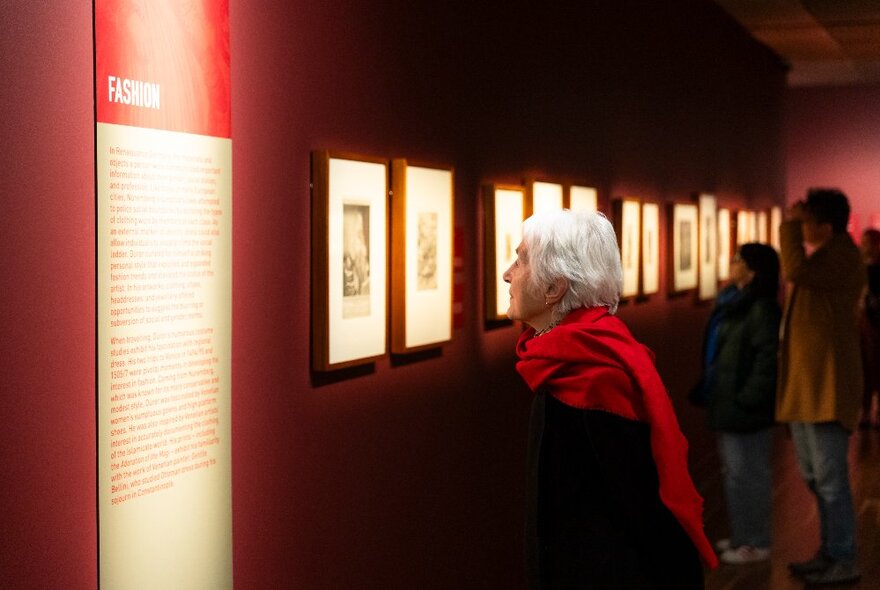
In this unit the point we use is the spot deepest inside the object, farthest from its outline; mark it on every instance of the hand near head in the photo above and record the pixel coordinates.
(796, 211)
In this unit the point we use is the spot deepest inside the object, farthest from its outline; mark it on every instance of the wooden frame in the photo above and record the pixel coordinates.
(422, 218)
(582, 198)
(683, 247)
(349, 259)
(627, 226)
(724, 243)
(708, 251)
(763, 225)
(504, 208)
(650, 283)
(775, 222)
(743, 228)
(746, 227)
(543, 196)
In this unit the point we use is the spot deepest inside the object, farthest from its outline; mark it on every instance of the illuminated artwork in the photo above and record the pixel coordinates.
(421, 256)
(349, 258)
(684, 247)
(503, 206)
(650, 248)
(708, 239)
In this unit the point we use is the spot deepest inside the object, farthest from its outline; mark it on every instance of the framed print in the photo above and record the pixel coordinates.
(421, 256)
(650, 248)
(708, 232)
(775, 222)
(683, 247)
(762, 222)
(582, 198)
(752, 216)
(544, 196)
(724, 253)
(627, 225)
(349, 259)
(743, 228)
(504, 207)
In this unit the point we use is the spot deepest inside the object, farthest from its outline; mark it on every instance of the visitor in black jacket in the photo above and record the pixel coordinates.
(738, 388)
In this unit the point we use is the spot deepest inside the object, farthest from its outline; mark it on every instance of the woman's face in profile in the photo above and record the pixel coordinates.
(740, 273)
(525, 305)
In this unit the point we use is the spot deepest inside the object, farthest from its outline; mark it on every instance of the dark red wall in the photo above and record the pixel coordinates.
(832, 138)
(47, 288)
(409, 475)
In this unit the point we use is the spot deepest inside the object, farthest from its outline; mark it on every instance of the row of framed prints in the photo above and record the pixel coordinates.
(702, 238)
(350, 258)
(355, 275)
(505, 207)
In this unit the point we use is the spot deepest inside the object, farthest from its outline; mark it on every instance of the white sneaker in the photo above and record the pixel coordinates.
(745, 554)
(722, 545)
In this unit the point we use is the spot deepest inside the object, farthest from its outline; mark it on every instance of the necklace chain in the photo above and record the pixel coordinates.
(544, 330)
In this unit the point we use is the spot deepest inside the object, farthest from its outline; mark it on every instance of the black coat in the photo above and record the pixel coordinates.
(595, 519)
(742, 389)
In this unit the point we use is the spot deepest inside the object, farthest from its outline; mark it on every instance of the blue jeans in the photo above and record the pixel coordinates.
(821, 451)
(745, 463)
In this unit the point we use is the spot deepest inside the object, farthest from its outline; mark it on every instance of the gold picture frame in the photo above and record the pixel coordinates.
(683, 247)
(543, 196)
(349, 259)
(422, 222)
(708, 251)
(724, 244)
(650, 283)
(504, 208)
(627, 226)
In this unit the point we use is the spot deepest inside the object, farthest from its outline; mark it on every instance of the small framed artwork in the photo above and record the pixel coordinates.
(627, 224)
(775, 222)
(763, 221)
(349, 259)
(683, 247)
(752, 217)
(582, 198)
(650, 248)
(504, 207)
(724, 253)
(708, 253)
(421, 256)
(544, 196)
(743, 228)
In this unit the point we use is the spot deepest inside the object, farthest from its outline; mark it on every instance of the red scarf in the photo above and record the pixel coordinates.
(591, 361)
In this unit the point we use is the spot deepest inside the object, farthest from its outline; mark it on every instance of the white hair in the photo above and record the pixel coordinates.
(580, 247)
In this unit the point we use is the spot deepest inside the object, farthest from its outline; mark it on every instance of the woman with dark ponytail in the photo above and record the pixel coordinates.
(738, 388)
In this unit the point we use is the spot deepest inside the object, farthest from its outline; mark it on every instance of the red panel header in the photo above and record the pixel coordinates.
(164, 64)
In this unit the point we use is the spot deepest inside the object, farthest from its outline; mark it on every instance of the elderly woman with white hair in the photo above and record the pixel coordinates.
(611, 502)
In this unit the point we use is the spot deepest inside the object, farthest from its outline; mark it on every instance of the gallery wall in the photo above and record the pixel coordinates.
(408, 473)
(832, 138)
(47, 281)
(411, 474)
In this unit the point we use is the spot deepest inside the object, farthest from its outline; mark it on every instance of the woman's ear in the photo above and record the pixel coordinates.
(556, 291)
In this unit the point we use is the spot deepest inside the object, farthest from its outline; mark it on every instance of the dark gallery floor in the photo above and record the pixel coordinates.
(795, 518)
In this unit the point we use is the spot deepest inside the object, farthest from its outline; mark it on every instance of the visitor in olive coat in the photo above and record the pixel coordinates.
(819, 382)
(820, 371)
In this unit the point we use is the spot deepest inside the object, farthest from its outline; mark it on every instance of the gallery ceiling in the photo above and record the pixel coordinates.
(825, 42)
